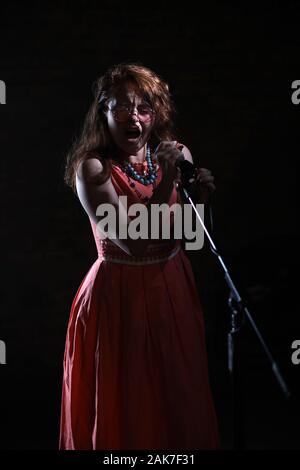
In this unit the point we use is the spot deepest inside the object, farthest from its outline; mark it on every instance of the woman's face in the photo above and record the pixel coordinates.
(130, 119)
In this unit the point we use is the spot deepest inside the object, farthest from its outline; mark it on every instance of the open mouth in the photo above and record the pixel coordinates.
(133, 133)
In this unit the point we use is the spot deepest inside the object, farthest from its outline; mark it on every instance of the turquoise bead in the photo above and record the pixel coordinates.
(151, 176)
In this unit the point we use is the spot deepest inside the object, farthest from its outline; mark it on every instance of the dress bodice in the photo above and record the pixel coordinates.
(136, 192)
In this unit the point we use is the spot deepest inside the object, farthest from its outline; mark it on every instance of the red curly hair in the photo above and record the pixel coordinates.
(95, 138)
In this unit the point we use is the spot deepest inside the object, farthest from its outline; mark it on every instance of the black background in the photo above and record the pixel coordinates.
(230, 70)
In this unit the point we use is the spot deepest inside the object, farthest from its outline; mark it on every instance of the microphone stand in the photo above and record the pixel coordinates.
(238, 313)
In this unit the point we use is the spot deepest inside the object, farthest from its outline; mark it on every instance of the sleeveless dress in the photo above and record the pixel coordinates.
(135, 365)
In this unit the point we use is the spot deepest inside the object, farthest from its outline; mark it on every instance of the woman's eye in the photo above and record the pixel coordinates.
(144, 109)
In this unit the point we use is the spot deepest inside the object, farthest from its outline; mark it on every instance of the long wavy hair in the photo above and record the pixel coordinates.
(95, 138)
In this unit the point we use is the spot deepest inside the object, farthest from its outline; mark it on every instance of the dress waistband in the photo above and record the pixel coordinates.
(140, 261)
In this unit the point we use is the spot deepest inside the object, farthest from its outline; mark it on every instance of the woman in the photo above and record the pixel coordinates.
(135, 367)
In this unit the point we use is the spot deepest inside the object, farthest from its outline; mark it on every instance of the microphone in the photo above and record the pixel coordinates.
(188, 171)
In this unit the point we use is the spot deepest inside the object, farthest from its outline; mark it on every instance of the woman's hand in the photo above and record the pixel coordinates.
(203, 185)
(167, 155)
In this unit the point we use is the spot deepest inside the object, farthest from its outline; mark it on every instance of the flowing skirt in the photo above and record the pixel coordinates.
(135, 364)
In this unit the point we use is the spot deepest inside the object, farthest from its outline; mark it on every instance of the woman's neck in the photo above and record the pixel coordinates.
(139, 157)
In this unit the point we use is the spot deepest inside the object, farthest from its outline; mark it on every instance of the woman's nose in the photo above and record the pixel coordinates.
(134, 114)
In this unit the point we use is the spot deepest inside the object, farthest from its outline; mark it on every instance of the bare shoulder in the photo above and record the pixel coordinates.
(89, 169)
(187, 154)
(92, 187)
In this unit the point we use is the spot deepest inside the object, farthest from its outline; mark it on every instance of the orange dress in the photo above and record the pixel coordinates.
(135, 365)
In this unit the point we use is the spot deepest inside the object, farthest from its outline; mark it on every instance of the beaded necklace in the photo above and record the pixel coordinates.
(148, 177)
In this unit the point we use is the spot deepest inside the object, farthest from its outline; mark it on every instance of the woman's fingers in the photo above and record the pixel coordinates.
(205, 183)
(203, 172)
(206, 179)
(211, 187)
(167, 155)
(204, 176)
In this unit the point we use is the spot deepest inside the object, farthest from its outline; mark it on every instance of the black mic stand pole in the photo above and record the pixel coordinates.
(238, 310)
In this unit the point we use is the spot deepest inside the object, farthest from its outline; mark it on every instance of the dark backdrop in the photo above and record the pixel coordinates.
(230, 70)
